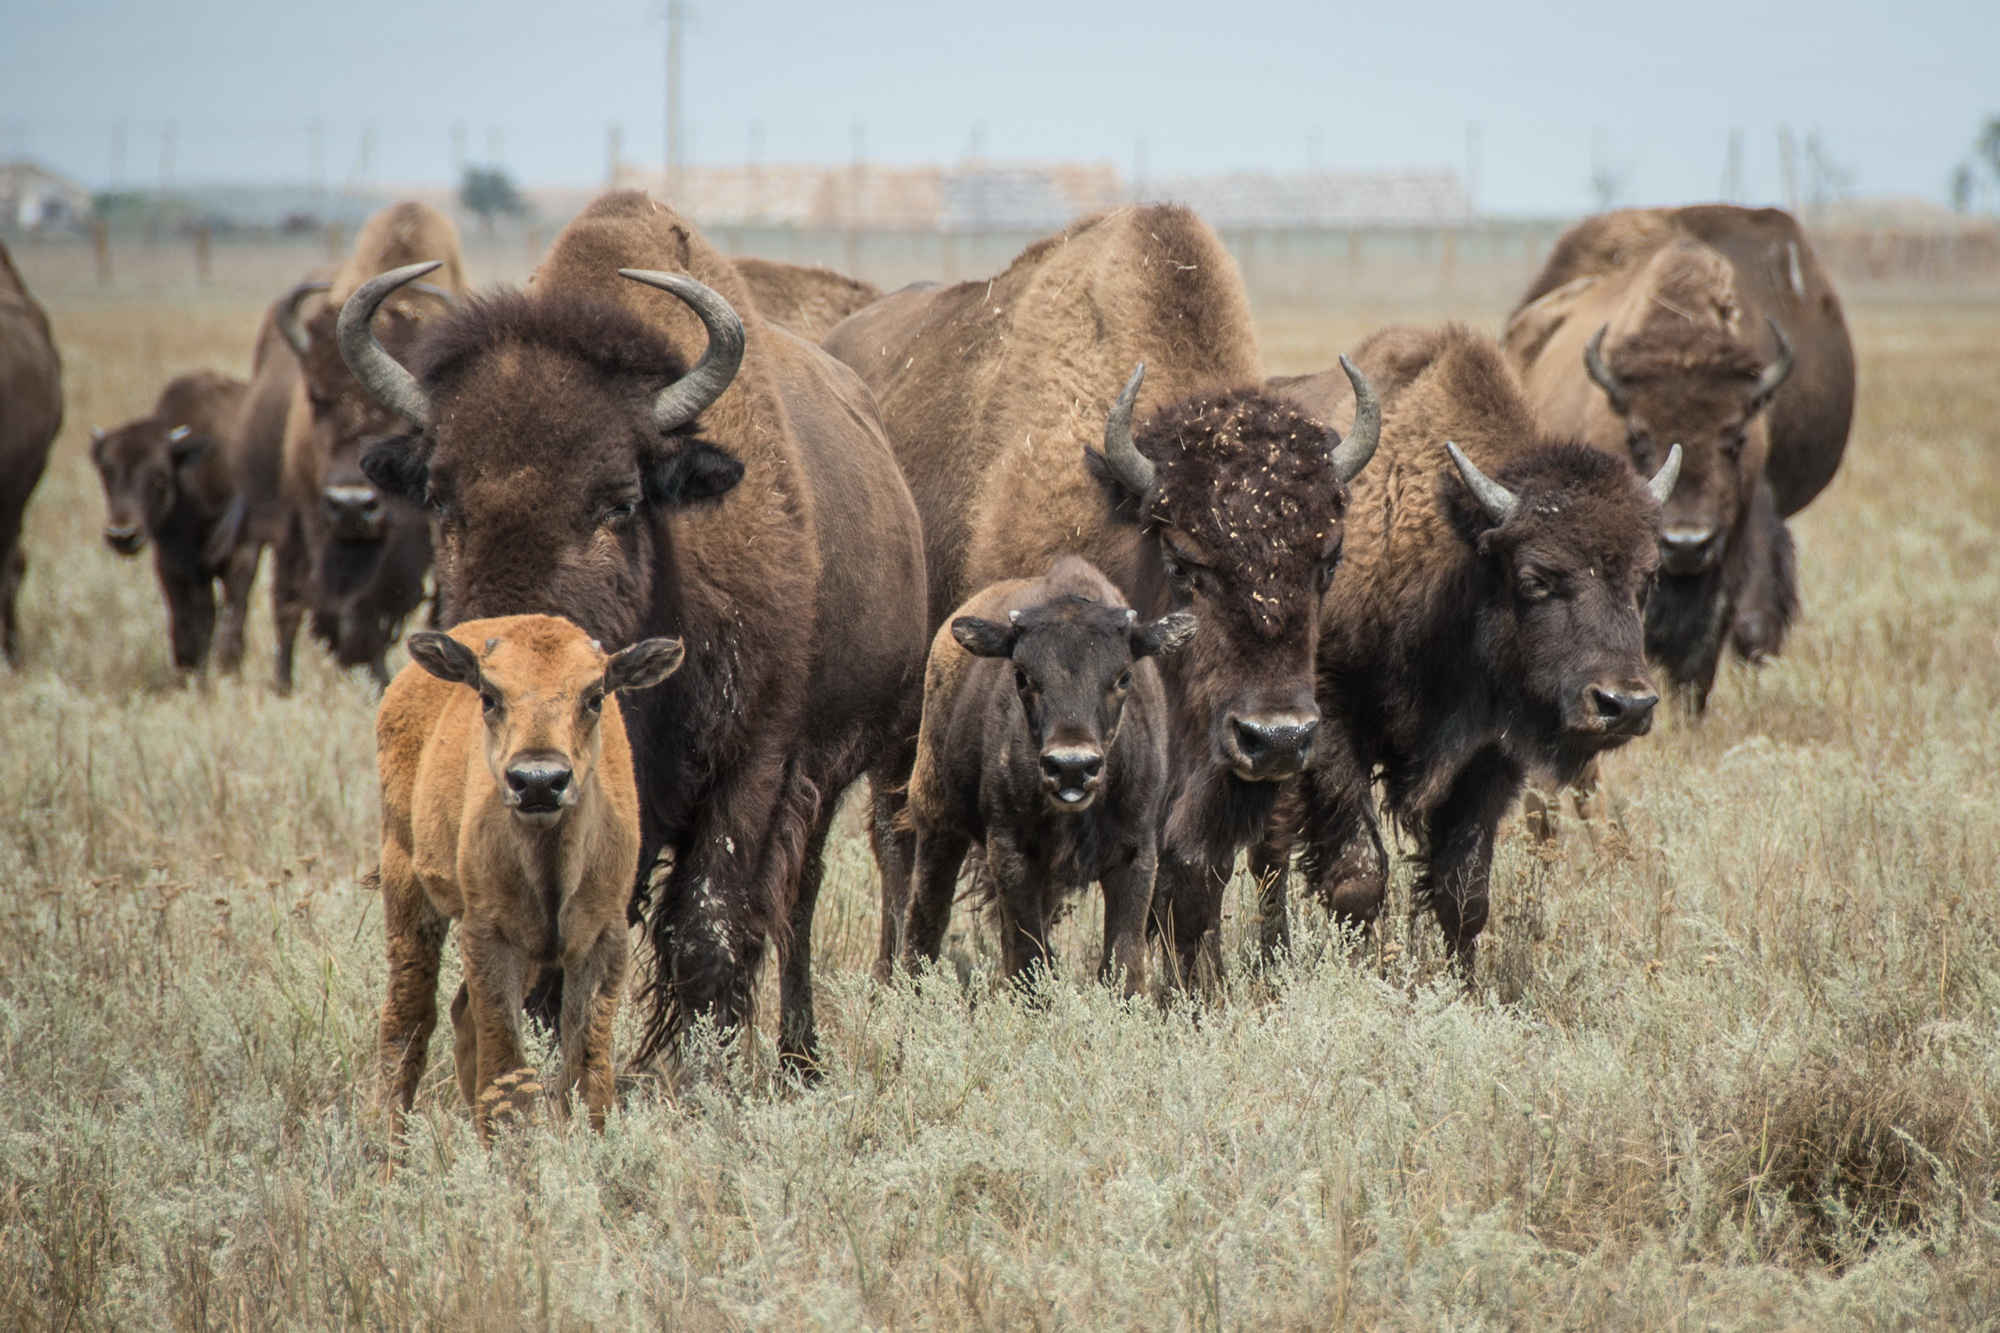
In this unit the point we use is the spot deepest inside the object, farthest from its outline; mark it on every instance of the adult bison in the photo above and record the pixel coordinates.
(1715, 328)
(170, 480)
(30, 415)
(805, 298)
(1485, 625)
(331, 423)
(1226, 500)
(630, 444)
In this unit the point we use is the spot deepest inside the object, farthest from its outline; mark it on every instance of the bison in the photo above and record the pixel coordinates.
(508, 805)
(1044, 740)
(1485, 625)
(629, 443)
(805, 298)
(1225, 500)
(331, 424)
(31, 411)
(170, 478)
(1715, 328)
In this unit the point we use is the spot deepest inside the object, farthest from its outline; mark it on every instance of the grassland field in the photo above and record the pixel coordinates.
(1733, 1058)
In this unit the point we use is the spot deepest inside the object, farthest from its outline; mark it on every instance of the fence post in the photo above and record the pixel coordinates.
(201, 239)
(100, 244)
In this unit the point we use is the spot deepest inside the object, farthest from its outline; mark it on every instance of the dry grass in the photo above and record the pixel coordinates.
(1735, 1062)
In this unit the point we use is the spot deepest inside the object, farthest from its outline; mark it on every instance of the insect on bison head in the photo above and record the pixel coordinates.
(556, 437)
(1566, 544)
(1707, 392)
(1240, 500)
(541, 700)
(140, 464)
(1072, 660)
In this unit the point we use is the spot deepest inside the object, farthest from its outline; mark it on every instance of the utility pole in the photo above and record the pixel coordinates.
(614, 151)
(756, 165)
(1788, 167)
(1473, 146)
(1732, 176)
(675, 17)
(118, 134)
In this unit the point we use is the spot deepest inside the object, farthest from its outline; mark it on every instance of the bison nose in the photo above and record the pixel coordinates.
(1269, 746)
(537, 786)
(1072, 772)
(124, 538)
(354, 512)
(1687, 550)
(1622, 711)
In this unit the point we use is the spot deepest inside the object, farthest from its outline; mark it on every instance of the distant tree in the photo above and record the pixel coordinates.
(1961, 188)
(1988, 146)
(490, 192)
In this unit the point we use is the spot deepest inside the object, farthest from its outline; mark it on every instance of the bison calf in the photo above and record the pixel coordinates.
(510, 805)
(1044, 738)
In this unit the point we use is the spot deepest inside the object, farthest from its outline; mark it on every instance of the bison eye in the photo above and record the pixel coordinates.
(1533, 587)
(593, 701)
(489, 702)
(1326, 569)
(1021, 680)
(1732, 443)
(1124, 681)
(620, 513)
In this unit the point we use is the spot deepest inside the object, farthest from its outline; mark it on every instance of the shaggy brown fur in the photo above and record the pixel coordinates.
(168, 480)
(30, 415)
(332, 420)
(805, 298)
(994, 390)
(508, 805)
(1456, 654)
(1030, 684)
(1685, 294)
(798, 587)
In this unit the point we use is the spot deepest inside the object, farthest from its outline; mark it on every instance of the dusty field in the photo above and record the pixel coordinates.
(1734, 1061)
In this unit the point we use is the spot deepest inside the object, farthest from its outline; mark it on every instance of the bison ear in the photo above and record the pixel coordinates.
(1168, 634)
(396, 470)
(984, 638)
(645, 663)
(184, 446)
(691, 475)
(443, 656)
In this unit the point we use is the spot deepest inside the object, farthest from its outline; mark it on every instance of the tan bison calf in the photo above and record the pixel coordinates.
(508, 804)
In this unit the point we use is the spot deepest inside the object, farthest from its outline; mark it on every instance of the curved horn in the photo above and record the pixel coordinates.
(695, 392)
(290, 326)
(1662, 484)
(1778, 371)
(440, 293)
(1353, 453)
(1498, 502)
(387, 382)
(1132, 468)
(1600, 374)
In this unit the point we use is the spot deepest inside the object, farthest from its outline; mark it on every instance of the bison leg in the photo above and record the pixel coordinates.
(1769, 601)
(1128, 893)
(895, 855)
(590, 1007)
(238, 575)
(1270, 864)
(938, 855)
(465, 1046)
(1020, 898)
(415, 935)
(1187, 911)
(797, 1039)
(1459, 852)
(190, 609)
(496, 981)
(13, 568)
(291, 580)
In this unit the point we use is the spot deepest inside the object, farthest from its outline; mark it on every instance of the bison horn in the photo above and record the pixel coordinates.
(387, 382)
(290, 326)
(695, 392)
(1353, 453)
(1662, 484)
(1133, 469)
(1498, 502)
(1593, 362)
(1778, 371)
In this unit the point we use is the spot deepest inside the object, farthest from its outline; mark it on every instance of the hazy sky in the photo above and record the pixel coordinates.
(1895, 90)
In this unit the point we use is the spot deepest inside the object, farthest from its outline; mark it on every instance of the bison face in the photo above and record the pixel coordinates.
(1240, 498)
(541, 698)
(1708, 394)
(343, 419)
(140, 464)
(1072, 660)
(1567, 544)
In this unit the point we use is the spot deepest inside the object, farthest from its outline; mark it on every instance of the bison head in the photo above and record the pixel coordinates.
(1704, 390)
(1566, 541)
(1239, 499)
(542, 687)
(555, 439)
(141, 464)
(1072, 660)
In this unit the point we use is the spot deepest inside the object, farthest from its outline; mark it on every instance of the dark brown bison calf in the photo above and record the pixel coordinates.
(510, 806)
(1044, 738)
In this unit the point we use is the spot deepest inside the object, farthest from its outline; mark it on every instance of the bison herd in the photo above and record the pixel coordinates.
(1046, 557)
